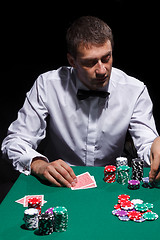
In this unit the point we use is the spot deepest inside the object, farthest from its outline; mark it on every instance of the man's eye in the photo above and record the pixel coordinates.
(106, 59)
(89, 63)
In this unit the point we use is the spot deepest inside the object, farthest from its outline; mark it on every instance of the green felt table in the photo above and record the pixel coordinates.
(90, 210)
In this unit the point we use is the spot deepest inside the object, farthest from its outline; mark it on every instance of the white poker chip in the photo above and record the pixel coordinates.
(137, 201)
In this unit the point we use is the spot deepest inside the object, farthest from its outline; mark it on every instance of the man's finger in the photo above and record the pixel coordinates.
(70, 171)
(154, 168)
(66, 175)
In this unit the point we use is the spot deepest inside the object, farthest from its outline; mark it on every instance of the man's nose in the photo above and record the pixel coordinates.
(100, 68)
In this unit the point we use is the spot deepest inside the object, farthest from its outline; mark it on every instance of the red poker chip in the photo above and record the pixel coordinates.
(110, 168)
(117, 206)
(123, 196)
(134, 215)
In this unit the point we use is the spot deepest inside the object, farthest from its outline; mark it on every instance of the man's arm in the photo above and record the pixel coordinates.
(154, 174)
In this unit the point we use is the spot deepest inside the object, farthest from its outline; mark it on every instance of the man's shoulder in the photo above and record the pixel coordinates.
(121, 78)
(58, 74)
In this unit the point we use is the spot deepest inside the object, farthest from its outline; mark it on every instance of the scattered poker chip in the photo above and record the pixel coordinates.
(149, 205)
(141, 207)
(124, 218)
(134, 215)
(117, 206)
(114, 212)
(150, 216)
(121, 213)
(142, 219)
(136, 201)
(123, 196)
(127, 205)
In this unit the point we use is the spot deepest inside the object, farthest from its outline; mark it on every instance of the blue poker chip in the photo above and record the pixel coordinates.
(124, 218)
(145, 180)
(142, 219)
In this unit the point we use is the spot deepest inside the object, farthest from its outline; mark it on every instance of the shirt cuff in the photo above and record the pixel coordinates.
(24, 163)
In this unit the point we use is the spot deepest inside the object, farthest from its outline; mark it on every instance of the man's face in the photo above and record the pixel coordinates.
(93, 64)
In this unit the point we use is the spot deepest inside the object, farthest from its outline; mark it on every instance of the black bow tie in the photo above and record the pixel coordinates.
(83, 94)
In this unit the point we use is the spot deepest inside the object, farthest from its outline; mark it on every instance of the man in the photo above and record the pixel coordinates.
(83, 130)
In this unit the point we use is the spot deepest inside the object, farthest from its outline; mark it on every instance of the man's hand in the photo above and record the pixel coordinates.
(57, 172)
(154, 174)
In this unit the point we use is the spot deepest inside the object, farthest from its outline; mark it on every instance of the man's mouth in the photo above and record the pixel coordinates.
(102, 79)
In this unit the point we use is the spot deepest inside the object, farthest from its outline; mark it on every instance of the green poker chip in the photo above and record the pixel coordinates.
(150, 216)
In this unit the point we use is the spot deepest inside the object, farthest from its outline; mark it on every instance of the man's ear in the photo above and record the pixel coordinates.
(71, 60)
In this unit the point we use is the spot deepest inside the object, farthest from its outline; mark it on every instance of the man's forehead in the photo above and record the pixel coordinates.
(91, 51)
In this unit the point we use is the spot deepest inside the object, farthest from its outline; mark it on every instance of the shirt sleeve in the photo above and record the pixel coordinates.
(142, 125)
(28, 130)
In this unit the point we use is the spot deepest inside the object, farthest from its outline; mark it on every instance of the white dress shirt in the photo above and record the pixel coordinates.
(88, 132)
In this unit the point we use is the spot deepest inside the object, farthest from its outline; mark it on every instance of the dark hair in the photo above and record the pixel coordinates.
(87, 30)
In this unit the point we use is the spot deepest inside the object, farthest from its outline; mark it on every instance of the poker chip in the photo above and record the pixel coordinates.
(141, 207)
(117, 206)
(128, 205)
(123, 197)
(110, 174)
(149, 205)
(124, 218)
(46, 224)
(147, 184)
(133, 184)
(61, 218)
(150, 216)
(136, 201)
(31, 218)
(142, 219)
(121, 213)
(114, 211)
(134, 215)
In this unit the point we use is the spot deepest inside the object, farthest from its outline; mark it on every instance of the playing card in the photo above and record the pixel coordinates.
(84, 180)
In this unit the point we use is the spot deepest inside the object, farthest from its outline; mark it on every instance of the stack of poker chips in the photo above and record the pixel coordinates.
(31, 218)
(46, 224)
(137, 169)
(133, 184)
(120, 161)
(123, 174)
(35, 202)
(61, 218)
(110, 174)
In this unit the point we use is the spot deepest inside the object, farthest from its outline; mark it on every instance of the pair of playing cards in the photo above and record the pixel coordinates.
(84, 181)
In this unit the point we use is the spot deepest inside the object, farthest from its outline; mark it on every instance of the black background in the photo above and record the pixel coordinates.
(33, 42)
